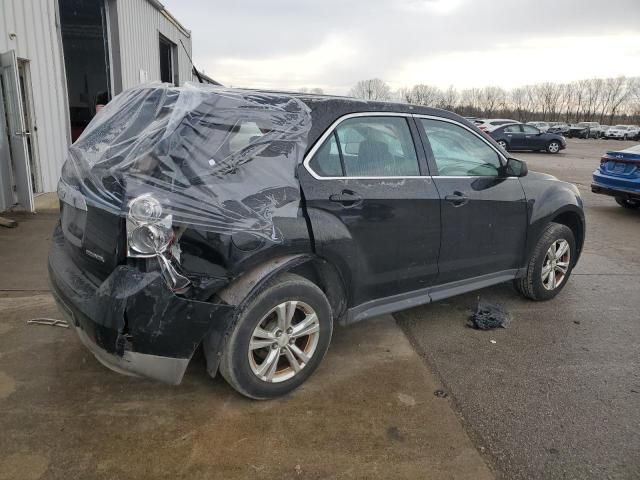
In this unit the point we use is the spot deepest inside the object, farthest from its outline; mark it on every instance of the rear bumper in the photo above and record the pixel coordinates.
(132, 322)
(615, 192)
(165, 369)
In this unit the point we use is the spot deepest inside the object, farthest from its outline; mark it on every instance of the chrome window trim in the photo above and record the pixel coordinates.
(332, 128)
(334, 125)
(471, 176)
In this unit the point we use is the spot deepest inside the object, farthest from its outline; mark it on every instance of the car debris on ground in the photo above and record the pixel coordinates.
(489, 316)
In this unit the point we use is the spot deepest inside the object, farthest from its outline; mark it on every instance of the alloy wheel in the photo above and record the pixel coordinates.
(554, 147)
(284, 341)
(556, 264)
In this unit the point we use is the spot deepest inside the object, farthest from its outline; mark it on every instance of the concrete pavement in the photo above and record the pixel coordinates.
(369, 412)
(558, 394)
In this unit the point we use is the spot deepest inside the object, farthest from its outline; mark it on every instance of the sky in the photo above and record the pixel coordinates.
(331, 44)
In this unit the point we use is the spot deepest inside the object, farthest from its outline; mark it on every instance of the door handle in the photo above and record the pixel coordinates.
(23, 134)
(457, 199)
(347, 198)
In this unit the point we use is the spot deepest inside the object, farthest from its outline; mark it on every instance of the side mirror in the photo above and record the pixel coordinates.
(515, 168)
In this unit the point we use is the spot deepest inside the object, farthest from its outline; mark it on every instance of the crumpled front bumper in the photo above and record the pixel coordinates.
(132, 322)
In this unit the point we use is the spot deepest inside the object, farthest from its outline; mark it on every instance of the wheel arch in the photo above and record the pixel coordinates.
(575, 222)
(249, 284)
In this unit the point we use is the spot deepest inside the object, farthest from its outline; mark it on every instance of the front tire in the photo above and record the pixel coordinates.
(504, 145)
(630, 204)
(553, 146)
(279, 340)
(550, 264)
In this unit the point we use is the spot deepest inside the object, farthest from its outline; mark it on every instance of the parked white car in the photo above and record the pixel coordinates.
(542, 126)
(491, 124)
(634, 132)
(620, 132)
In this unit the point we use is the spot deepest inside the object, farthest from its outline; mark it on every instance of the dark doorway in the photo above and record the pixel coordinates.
(167, 61)
(86, 59)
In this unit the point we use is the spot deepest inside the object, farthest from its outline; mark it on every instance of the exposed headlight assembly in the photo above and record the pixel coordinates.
(149, 234)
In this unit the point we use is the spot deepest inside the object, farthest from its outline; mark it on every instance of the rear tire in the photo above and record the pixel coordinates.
(545, 262)
(630, 204)
(259, 339)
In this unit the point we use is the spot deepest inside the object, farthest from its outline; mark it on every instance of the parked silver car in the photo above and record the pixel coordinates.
(621, 132)
(542, 126)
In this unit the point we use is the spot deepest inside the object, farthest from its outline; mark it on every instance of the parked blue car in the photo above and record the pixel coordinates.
(619, 176)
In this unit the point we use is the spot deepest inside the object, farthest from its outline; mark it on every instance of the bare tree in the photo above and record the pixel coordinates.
(373, 89)
(425, 95)
(470, 101)
(620, 90)
(405, 95)
(566, 100)
(448, 99)
(492, 99)
(518, 102)
(617, 99)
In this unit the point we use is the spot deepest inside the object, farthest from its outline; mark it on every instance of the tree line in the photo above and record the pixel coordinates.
(605, 100)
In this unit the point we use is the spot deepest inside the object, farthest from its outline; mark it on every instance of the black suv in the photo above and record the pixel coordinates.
(248, 222)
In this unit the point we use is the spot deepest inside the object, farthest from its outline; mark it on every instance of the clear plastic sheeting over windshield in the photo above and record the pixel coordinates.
(218, 159)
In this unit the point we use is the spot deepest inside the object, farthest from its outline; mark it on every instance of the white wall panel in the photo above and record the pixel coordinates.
(35, 38)
(140, 24)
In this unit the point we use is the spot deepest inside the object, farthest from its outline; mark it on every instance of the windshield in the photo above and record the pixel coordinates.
(620, 127)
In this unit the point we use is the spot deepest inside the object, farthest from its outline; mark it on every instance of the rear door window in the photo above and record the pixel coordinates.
(375, 146)
(530, 130)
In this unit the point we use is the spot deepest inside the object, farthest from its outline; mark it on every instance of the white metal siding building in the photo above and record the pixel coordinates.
(30, 29)
(51, 83)
(138, 39)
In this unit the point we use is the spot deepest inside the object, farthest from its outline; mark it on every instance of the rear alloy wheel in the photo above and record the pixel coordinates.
(279, 340)
(553, 146)
(504, 145)
(284, 341)
(550, 264)
(630, 204)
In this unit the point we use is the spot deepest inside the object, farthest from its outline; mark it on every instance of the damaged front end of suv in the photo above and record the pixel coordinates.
(167, 197)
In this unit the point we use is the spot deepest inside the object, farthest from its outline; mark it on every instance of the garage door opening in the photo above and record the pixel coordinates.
(86, 58)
